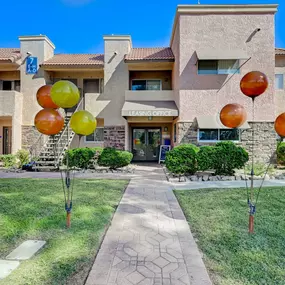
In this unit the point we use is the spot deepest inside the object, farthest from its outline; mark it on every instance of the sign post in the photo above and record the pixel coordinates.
(162, 153)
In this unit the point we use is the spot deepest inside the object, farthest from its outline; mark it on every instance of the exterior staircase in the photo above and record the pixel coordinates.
(51, 155)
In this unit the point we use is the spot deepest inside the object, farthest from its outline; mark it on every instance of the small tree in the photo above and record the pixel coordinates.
(23, 157)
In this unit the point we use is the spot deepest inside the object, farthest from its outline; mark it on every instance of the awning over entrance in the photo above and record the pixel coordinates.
(214, 122)
(216, 54)
(150, 108)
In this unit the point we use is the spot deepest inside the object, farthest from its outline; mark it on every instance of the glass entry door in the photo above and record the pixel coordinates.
(146, 143)
(7, 140)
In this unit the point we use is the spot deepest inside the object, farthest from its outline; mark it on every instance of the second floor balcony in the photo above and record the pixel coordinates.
(10, 103)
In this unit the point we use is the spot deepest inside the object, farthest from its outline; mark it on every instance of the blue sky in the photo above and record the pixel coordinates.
(77, 26)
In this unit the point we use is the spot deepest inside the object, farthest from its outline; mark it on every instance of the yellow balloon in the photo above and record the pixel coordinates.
(65, 94)
(83, 123)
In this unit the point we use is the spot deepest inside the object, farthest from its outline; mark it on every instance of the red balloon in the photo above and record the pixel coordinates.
(49, 122)
(44, 98)
(254, 84)
(280, 125)
(233, 115)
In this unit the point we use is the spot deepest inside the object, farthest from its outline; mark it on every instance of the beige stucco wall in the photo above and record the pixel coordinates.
(11, 104)
(40, 47)
(116, 79)
(280, 94)
(199, 94)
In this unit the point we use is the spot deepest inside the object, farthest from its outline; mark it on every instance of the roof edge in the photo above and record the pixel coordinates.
(37, 38)
(117, 37)
(221, 9)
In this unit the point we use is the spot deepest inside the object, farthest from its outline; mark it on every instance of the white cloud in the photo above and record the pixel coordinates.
(77, 2)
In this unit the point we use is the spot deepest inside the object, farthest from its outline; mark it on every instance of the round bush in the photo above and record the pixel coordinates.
(23, 156)
(281, 153)
(188, 145)
(81, 157)
(113, 158)
(205, 158)
(181, 160)
(227, 157)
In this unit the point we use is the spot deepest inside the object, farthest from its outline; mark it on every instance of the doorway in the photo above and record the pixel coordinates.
(146, 144)
(7, 140)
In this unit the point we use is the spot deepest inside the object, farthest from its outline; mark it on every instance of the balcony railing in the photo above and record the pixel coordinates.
(149, 95)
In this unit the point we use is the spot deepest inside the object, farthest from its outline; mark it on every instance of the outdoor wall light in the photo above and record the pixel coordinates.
(150, 118)
(166, 129)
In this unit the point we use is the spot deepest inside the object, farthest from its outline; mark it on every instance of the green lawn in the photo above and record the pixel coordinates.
(34, 209)
(219, 219)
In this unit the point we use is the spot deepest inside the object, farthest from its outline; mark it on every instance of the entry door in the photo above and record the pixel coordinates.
(146, 143)
(7, 140)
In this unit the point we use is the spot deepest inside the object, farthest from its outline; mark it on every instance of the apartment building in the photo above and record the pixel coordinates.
(145, 97)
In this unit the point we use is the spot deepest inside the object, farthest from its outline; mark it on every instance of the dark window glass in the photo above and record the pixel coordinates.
(208, 67)
(7, 85)
(208, 135)
(91, 86)
(139, 85)
(229, 135)
(97, 136)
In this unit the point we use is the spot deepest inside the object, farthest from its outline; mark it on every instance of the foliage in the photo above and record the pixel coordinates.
(228, 157)
(181, 160)
(259, 168)
(81, 157)
(34, 209)
(281, 153)
(113, 158)
(23, 157)
(206, 157)
(9, 160)
(219, 221)
(188, 145)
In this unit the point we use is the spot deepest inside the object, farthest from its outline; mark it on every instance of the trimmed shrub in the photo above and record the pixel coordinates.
(228, 157)
(81, 157)
(9, 160)
(181, 160)
(205, 158)
(23, 156)
(188, 145)
(113, 158)
(281, 153)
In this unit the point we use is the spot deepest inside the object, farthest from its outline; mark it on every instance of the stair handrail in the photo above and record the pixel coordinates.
(65, 130)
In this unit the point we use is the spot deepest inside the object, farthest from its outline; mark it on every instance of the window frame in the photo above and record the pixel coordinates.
(282, 81)
(85, 141)
(233, 71)
(149, 79)
(219, 133)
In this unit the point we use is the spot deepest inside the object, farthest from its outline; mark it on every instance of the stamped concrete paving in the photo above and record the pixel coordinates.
(149, 241)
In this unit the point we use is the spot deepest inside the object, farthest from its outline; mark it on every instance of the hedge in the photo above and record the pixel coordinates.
(9, 160)
(205, 158)
(281, 153)
(113, 158)
(181, 160)
(81, 157)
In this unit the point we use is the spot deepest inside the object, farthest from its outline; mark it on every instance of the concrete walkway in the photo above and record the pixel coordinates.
(149, 241)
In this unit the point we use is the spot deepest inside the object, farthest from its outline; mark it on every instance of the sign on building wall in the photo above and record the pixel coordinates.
(32, 65)
(150, 113)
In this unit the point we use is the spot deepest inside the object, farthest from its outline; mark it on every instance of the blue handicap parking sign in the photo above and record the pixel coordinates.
(32, 65)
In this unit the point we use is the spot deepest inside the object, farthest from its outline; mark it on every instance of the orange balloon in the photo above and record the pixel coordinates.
(49, 122)
(233, 115)
(44, 98)
(254, 84)
(280, 125)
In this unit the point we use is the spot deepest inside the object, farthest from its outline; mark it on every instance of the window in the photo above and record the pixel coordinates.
(97, 136)
(279, 81)
(218, 66)
(146, 85)
(7, 85)
(218, 135)
(91, 85)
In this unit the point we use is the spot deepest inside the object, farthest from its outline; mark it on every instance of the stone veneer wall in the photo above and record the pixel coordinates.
(114, 136)
(265, 145)
(30, 136)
